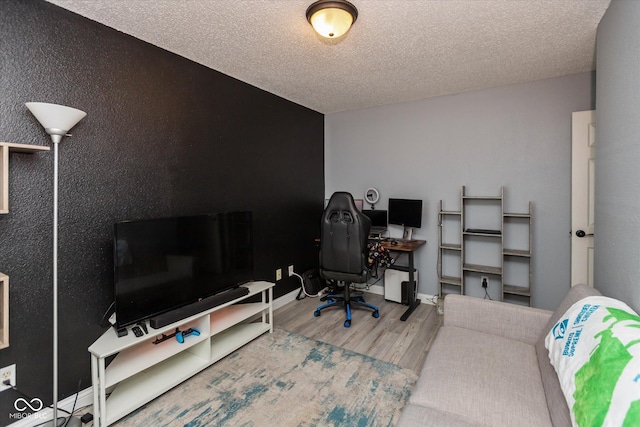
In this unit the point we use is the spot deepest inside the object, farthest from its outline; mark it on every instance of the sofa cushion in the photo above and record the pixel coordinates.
(482, 378)
(558, 409)
(421, 416)
(595, 349)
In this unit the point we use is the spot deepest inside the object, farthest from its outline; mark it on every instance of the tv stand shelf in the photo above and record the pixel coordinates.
(141, 370)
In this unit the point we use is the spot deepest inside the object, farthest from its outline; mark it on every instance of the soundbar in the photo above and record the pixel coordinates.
(172, 316)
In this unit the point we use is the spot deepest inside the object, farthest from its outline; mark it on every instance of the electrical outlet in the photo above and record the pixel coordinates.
(290, 270)
(8, 373)
(485, 281)
(278, 274)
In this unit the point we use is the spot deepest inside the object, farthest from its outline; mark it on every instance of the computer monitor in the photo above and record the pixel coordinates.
(406, 212)
(378, 218)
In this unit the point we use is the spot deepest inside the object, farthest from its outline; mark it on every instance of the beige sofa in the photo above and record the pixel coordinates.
(488, 366)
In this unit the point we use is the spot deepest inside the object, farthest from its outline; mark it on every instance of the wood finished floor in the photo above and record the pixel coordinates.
(386, 338)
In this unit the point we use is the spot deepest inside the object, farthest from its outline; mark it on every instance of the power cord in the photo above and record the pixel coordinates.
(377, 280)
(293, 273)
(75, 401)
(104, 322)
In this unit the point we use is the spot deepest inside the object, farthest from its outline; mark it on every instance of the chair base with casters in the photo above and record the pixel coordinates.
(346, 299)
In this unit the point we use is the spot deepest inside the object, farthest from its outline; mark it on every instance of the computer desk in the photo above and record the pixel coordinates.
(408, 247)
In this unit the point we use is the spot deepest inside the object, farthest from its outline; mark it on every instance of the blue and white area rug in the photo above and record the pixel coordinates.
(284, 379)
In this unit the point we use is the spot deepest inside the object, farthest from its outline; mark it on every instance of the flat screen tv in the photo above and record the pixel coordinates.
(164, 264)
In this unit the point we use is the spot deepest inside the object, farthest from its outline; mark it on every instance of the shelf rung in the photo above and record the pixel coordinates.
(516, 290)
(516, 252)
(451, 246)
(482, 197)
(450, 213)
(455, 281)
(483, 269)
(516, 215)
(471, 233)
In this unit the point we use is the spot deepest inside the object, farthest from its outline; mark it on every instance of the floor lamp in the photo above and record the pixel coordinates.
(57, 120)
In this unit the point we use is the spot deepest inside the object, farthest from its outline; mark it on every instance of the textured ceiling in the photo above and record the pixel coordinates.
(398, 50)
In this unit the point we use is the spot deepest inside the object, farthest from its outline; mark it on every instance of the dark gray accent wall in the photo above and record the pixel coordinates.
(163, 136)
(617, 195)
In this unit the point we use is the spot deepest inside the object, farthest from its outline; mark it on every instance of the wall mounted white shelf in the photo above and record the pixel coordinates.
(5, 148)
(141, 370)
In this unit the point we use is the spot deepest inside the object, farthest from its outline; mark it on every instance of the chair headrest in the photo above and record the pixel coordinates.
(341, 201)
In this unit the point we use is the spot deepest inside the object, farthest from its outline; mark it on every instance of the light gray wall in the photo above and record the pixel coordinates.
(617, 214)
(516, 136)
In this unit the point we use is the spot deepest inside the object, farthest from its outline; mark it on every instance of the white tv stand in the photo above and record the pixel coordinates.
(142, 370)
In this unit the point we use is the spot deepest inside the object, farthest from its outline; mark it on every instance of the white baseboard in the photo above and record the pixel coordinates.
(374, 289)
(428, 299)
(425, 298)
(285, 299)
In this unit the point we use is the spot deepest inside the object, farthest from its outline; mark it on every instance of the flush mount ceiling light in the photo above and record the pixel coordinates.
(332, 18)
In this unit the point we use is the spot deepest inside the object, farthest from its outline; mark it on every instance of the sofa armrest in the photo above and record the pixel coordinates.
(496, 318)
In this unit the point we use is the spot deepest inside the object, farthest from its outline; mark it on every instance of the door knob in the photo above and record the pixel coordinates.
(581, 233)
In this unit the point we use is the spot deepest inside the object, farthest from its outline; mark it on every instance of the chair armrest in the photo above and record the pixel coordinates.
(510, 321)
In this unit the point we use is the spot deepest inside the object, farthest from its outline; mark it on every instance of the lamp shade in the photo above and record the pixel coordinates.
(332, 19)
(56, 119)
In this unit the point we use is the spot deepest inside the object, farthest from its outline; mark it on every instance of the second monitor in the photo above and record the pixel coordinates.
(378, 221)
(406, 212)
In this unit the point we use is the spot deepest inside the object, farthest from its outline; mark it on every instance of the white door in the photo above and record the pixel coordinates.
(583, 141)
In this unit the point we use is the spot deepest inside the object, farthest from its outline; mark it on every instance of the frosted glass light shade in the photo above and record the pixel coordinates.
(331, 19)
(56, 119)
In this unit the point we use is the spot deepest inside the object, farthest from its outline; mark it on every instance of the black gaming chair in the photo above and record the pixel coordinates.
(343, 252)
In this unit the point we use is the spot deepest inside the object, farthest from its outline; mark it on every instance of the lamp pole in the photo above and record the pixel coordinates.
(55, 280)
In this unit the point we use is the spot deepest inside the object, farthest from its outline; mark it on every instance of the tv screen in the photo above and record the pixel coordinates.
(407, 212)
(163, 264)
